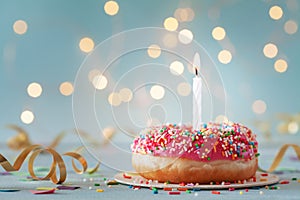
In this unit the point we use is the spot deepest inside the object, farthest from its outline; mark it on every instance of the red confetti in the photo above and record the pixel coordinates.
(215, 192)
(265, 174)
(284, 182)
(231, 189)
(174, 193)
(167, 189)
(42, 191)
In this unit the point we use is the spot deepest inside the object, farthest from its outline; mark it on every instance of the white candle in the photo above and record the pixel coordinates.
(197, 94)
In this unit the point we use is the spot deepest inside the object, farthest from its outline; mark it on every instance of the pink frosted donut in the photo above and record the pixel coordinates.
(214, 153)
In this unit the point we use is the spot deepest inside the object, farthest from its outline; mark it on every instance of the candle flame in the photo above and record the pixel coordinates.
(196, 63)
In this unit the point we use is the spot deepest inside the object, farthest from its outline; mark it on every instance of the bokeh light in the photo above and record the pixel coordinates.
(111, 8)
(184, 14)
(154, 51)
(270, 50)
(20, 27)
(185, 36)
(86, 44)
(293, 127)
(34, 90)
(157, 92)
(221, 119)
(259, 107)
(27, 117)
(290, 27)
(114, 99)
(66, 88)
(125, 94)
(224, 56)
(93, 73)
(100, 82)
(184, 89)
(275, 12)
(176, 68)
(280, 65)
(218, 33)
(171, 24)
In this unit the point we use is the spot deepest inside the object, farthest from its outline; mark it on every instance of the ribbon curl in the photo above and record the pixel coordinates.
(57, 161)
(278, 158)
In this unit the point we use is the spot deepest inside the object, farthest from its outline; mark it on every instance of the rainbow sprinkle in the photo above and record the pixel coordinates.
(211, 142)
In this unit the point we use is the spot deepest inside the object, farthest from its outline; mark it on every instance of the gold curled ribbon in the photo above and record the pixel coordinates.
(57, 162)
(279, 156)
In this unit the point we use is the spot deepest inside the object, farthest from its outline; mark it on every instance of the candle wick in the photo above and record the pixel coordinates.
(196, 71)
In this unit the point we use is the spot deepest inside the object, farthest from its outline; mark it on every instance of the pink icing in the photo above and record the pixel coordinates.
(211, 142)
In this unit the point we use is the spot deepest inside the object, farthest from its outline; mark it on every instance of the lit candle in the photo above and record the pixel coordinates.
(197, 94)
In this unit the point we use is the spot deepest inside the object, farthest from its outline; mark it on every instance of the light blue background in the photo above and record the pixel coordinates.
(49, 54)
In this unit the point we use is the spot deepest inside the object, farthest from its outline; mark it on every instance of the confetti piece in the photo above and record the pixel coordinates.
(167, 189)
(155, 191)
(196, 189)
(5, 173)
(284, 182)
(215, 192)
(9, 190)
(99, 190)
(294, 179)
(241, 192)
(261, 192)
(188, 191)
(263, 179)
(42, 191)
(231, 189)
(174, 193)
(264, 174)
(97, 184)
(44, 188)
(65, 187)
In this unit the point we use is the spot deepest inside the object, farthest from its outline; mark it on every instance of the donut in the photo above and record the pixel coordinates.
(216, 152)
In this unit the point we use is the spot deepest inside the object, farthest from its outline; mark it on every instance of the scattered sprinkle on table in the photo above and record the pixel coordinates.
(284, 182)
(215, 192)
(99, 190)
(174, 193)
